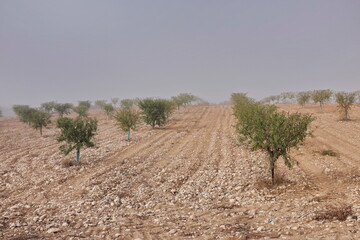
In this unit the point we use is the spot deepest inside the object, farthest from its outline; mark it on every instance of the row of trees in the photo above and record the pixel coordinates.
(345, 100)
(304, 97)
(78, 133)
(36, 118)
(264, 128)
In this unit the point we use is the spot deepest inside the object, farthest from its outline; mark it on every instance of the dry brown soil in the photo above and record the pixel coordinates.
(188, 180)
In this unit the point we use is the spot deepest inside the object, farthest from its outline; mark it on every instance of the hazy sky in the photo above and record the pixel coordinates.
(69, 50)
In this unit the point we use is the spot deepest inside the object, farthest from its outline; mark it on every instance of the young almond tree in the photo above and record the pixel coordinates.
(63, 109)
(303, 98)
(156, 111)
(81, 110)
(321, 97)
(127, 119)
(39, 120)
(76, 133)
(24, 113)
(345, 101)
(127, 103)
(48, 107)
(263, 128)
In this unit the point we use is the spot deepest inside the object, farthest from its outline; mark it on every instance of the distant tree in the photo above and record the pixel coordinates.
(321, 97)
(345, 101)
(100, 103)
(127, 103)
(240, 99)
(0, 113)
(81, 110)
(127, 119)
(202, 102)
(48, 107)
(63, 108)
(115, 101)
(357, 94)
(108, 109)
(24, 113)
(76, 133)
(86, 104)
(39, 120)
(183, 99)
(287, 97)
(303, 98)
(156, 111)
(262, 127)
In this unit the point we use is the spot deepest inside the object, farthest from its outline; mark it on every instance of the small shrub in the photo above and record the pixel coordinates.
(334, 213)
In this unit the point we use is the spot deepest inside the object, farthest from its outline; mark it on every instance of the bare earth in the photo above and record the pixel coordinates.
(189, 180)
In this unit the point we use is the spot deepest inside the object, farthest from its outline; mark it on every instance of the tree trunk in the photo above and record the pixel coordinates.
(321, 108)
(273, 175)
(41, 131)
(129, 136)
(346, 114)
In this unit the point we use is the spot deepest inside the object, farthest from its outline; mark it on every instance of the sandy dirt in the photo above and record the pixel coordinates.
(188, 180)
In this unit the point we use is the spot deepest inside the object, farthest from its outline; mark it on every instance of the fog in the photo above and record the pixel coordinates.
(87, 50)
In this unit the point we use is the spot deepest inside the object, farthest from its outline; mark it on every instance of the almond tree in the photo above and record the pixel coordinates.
(39, 120)
(156, 111)
(48, 107)
(303, 98)
(321, 97)
(24, 113)
(63, 108)
(263, 127)
(127, 119)
(345, 101)
(76, 133)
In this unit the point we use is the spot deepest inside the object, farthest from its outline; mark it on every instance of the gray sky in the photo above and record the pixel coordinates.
(73, 50)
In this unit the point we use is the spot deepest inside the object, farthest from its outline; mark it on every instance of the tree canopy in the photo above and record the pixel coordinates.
(76, 133)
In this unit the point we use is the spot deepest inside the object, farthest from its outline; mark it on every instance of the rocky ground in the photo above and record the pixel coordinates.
(189, 180)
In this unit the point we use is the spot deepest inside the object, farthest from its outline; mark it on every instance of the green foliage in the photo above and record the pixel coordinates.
(127, 119)
(63, 108)
(183, 99)
(127, 103)
(264, 128)
(48, 107)
(240, 98)
(76, 133)
(345, 101)
(115, 101)
(39, 120)
(81, 110)
(85, 104)
(321, 97)
(100, 103)
(24, 113)
(108, 109)
(303, 98)
(156, 111)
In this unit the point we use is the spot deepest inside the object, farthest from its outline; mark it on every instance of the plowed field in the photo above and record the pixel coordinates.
(188, 180)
